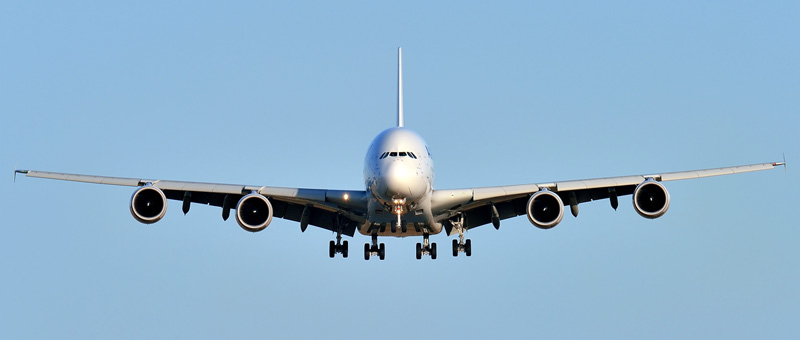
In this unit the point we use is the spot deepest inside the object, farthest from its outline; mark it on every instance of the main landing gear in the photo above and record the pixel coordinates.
(338, 247)
(465, 247)
(461, 245)
(375, 249)
(426, 247)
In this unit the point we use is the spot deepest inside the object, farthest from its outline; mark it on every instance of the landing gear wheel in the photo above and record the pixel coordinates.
(468, 247)
(433, 251)
(419, 251)
(455, 248)
(366, 251)
(381, 251)
(338, 246)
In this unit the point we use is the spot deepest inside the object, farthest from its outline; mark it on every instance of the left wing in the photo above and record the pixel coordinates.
(335, 210)
(480, 206)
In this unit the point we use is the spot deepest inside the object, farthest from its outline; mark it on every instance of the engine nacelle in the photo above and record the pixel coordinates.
(651, 199)
(148, 204)
(545, 209)
(253, 212)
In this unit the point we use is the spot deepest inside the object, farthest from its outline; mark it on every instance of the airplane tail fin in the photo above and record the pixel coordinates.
(399, 87)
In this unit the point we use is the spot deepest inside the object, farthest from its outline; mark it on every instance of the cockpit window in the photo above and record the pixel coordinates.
(398, 154)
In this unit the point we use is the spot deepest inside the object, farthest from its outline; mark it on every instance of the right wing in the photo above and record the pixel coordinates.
(480, 206)
(335, 210)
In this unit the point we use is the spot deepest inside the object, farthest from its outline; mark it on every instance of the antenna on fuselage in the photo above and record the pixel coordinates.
(399, 87)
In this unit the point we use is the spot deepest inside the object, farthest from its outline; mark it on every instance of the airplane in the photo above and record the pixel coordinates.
(399, 199)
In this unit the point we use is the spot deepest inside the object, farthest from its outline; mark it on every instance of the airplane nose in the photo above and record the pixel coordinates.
(398, 177)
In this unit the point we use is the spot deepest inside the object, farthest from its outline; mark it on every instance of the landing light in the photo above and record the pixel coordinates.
(346, 196)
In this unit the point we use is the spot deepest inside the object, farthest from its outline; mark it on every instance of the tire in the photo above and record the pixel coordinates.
(382, 252)
(468, 247)
(344, 248)
(455, 248)
(366, 251)
(433, 251)
(419, 251)
(332, 249)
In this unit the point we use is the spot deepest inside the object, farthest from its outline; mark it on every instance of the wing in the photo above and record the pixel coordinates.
(335, 210)
(480, 206)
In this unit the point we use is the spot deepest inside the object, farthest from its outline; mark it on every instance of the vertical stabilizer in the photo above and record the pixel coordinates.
(399, 87)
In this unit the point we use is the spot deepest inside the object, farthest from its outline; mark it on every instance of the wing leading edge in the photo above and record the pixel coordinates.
(344, 211)
(480, 206)
(335, 210)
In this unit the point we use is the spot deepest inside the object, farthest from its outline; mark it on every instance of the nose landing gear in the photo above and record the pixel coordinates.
(398, 209)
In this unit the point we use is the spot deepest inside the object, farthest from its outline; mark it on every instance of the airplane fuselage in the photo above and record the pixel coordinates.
(398, 174)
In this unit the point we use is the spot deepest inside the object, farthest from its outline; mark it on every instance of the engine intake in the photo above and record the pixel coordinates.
(651, 199)
(148, 204)
(253, 212)
(545, 209)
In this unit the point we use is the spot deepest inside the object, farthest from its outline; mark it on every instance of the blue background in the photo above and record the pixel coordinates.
(505, 93)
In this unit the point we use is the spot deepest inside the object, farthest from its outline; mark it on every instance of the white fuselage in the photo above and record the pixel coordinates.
(398, 174)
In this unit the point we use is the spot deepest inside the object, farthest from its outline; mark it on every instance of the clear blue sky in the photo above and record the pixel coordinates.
(291, 94)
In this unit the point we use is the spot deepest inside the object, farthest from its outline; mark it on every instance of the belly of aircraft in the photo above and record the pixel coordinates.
(383, 222)
(385, 229)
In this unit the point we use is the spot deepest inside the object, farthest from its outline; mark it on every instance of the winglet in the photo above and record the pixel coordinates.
(18, 172)
(785, 166)
(399, 87)
(781, 163)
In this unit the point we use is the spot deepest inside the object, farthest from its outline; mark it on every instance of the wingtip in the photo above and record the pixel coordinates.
(781, 163)
(785, 166)
(24, 172)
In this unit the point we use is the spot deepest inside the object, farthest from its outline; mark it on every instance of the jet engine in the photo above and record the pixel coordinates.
(651, 199)
(545, 209)
(253, 212)
(148, 204)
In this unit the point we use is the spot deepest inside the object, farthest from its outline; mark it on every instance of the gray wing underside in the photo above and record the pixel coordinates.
(475, 204)
(330, 209)
(342, 210)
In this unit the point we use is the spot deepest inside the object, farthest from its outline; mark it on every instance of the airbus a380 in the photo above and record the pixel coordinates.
(399, 199)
